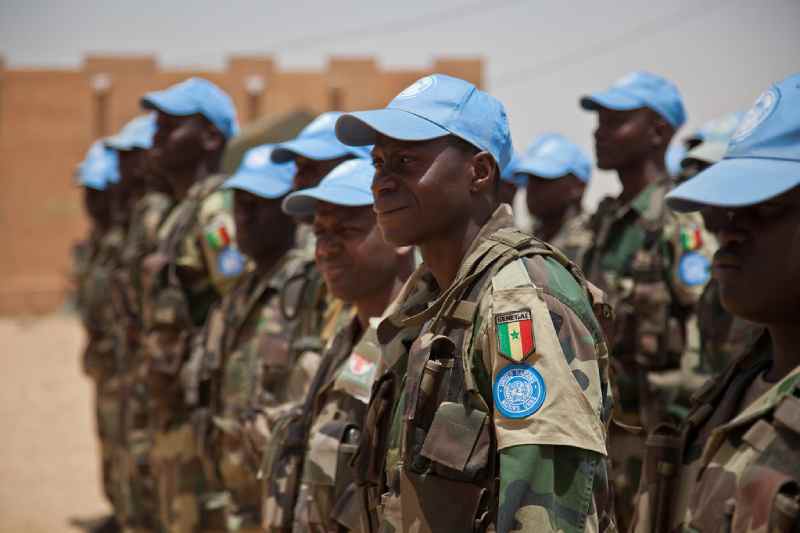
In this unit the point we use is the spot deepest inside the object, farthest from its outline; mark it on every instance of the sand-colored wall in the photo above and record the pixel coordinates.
(48, 119)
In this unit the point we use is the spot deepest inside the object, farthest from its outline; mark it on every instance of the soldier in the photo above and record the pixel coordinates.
(735, 465)
(195, 263)
(243, 365)
(148, 207)
(492, 410)
(316, 151)
(555, 172)
(652, 263)
(317, 442)
(97, 173)
(721, 334)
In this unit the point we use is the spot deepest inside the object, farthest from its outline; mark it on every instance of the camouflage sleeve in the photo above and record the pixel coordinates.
(550, 397)
(547, 488)
(548, 367)
(213, 247)
(689, 248)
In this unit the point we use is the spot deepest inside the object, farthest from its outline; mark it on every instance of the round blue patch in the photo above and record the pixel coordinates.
(694, 269)
(230, 262)
(519, 391)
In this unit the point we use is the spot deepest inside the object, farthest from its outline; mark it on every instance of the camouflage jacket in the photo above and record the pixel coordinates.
(196, 262)
(244, 364)
(730, 469)
(148, 215)
(653, 264)
(95, 306)
(494, 406)
(309, 482)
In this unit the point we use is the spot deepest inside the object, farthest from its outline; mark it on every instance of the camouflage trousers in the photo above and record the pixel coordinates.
(136, 485)
(108, 416)
(184, 484)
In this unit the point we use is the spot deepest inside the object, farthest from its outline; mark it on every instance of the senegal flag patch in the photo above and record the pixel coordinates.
(515, 334)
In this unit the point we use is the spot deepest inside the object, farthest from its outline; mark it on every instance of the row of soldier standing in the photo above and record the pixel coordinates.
(350, 332)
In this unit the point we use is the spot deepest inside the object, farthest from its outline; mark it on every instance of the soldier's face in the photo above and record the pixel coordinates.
(758, 262)
(261, 225)
(180, 142)
(550, 197)
(311, 171)
(622, 137)
(97, 205)
(133, 172)
(354, 259)
(422, 189)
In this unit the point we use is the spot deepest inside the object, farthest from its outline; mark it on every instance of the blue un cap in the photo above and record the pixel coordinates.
(99, 168)
(136, 134)
(676, 152)
(637, 90)
(196, 95)
(432, 107)
(762, 160)
(349, 184)
(553, 156)
(711, 140)
(317, 141)
(257, 174)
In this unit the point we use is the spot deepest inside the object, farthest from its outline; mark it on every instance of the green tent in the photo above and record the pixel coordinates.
(266, 130)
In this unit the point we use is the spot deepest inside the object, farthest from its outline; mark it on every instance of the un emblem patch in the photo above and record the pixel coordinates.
(230, 262)
(519, 391)
(694, 269)
(757, 114)
(419, 86)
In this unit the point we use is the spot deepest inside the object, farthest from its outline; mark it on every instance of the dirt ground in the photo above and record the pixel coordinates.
(48, 457)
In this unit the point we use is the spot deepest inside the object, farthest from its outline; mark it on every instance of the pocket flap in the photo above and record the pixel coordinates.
(453, 435)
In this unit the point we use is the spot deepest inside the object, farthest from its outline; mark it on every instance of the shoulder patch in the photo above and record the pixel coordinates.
(230, 262)
(519, 391)
(694, 269)
(515, 334)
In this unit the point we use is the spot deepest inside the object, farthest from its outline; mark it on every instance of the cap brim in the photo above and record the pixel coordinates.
(362, 127)
(165, 102)
(119, 142)
(303, 203)
(258, 184)
(707, 152)
(735, 182)
(309, 148)
(610, 99)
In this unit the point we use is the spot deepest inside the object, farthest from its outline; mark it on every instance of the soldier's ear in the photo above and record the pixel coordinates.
(484, 173)
(213, 140)
(661, 132)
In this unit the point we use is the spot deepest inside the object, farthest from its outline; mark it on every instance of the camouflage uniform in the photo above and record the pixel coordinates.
(653, 264)
(309, 485)
(463, 432)
(137, 491)
(734, 467)
(195, 264)
(246, 366)
(574, 237)
(99, 357)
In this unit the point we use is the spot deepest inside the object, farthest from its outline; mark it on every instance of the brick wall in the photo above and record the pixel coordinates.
(48, 119)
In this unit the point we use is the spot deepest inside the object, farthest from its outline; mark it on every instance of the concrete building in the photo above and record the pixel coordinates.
(48, 119)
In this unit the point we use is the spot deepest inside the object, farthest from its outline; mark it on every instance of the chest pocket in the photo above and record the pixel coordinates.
(443, 435)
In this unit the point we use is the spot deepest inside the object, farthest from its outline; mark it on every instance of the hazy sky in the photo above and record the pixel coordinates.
(540, 56)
